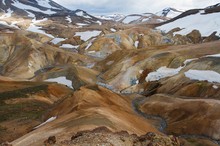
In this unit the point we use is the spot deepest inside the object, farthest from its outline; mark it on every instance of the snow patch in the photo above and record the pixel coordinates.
(189, 60)
(45, 3)
(88, 46)
(145, 19)
(114, 17)
(4, 23)
(87, 34)
(161, 73)
(30, 14)
(164, 72)
(169, 12)
(30, 64)
(214, 55)
(99, 22)
(136, 43)
(68, 18)
(141, 71)
(57, 40)
(110, 62)
(129, 19)
(13, 24)
(47, 121)
(203, 75)
(113, 30)
(3, 2)
(90, 65)
(215, 86)
(38, 21)
(37, 29)
(82, 14)
(7, 15)
(61, 80)
(81, 24)
(68, 46)
(91, 52)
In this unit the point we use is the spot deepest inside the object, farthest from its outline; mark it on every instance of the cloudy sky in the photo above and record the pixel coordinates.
(132, 6)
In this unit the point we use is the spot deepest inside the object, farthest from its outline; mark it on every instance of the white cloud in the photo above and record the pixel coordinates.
(132, 6)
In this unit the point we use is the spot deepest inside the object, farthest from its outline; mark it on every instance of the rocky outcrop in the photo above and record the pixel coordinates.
(102, 135)
(173, 31)
(195, 36)
(50, 141)
(73, 41)
(212, 37)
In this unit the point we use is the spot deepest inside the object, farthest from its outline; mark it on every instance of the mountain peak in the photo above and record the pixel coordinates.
(32, 7)
(169, 12)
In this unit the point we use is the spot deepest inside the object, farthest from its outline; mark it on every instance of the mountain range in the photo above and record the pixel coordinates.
(70, 78)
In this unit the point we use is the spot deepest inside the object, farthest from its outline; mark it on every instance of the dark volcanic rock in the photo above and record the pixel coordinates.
(212, 37)
(195, 36)
(50, 141)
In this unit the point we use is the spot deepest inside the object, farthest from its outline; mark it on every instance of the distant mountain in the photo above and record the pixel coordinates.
(158, 17)
(134, 18)
(32, 7)
(113, 17)
(205, 20)
(169, 12)
(39, 9)
(143, 18)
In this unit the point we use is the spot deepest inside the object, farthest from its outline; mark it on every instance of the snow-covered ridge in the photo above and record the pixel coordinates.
(131, 18)
(213, 6)
(113, 17)
(166, 13)
(205, 23)
(22, 6)
(45, 3)
(82, 13)
(169, 12)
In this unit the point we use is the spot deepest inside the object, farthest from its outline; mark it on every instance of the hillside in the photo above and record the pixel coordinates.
(70, 78)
